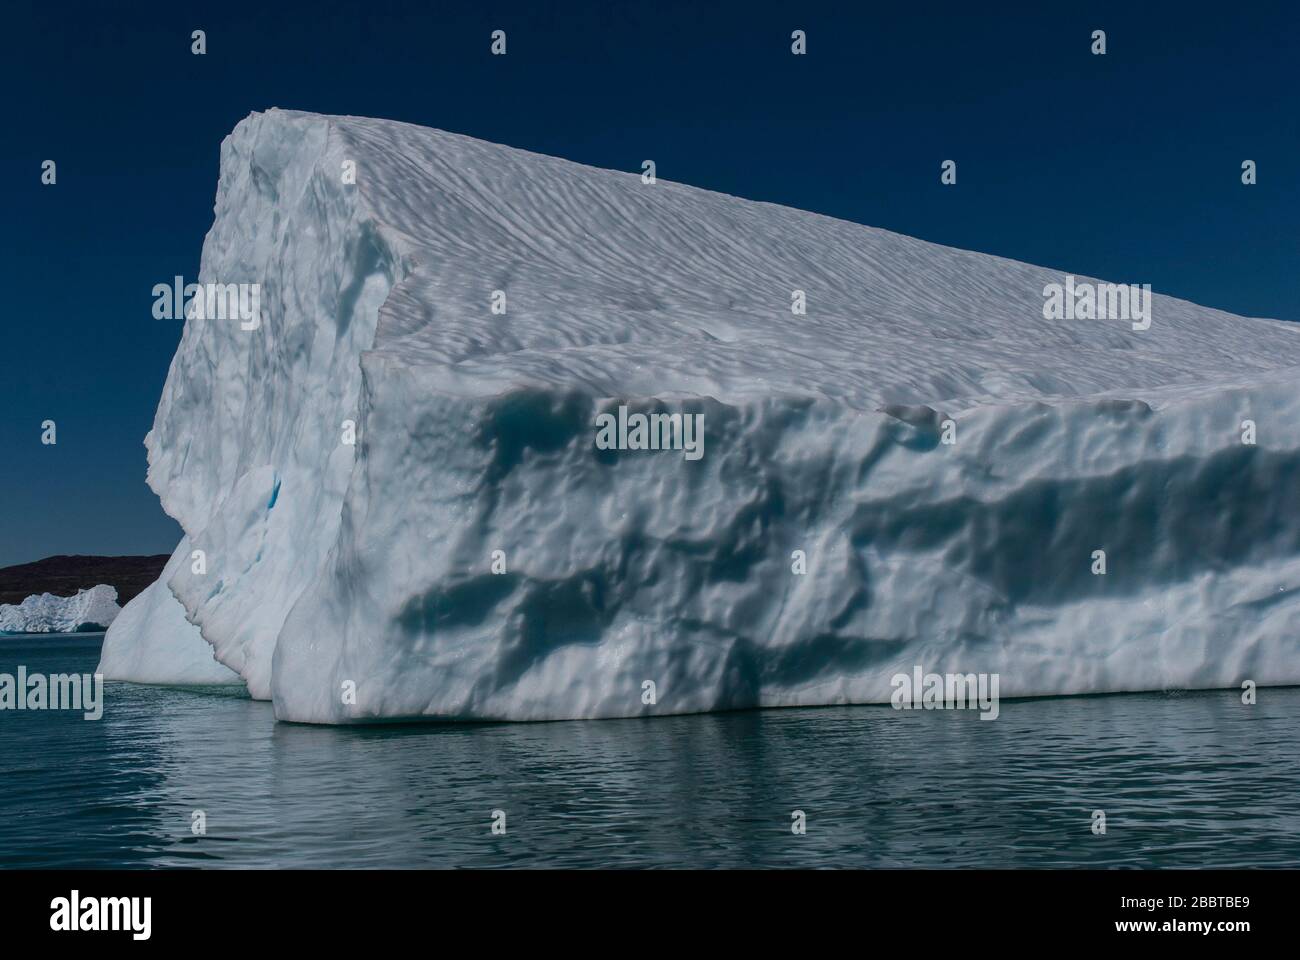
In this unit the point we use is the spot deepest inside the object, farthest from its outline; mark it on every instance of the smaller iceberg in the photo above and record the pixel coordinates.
(92, 609)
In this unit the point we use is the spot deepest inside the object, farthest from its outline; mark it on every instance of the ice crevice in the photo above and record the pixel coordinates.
(474, 555)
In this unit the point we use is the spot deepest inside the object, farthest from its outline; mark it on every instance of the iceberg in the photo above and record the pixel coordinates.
(151, 641)
(396, 505)
(92, 609)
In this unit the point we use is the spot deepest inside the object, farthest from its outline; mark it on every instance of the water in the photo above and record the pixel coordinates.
(1190, 780)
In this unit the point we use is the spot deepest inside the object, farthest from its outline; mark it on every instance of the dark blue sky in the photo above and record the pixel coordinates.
(1125, 166)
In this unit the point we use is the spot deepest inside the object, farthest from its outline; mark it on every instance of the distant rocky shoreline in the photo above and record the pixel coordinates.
(64, 575)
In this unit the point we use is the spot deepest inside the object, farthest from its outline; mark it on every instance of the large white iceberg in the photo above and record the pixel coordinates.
(90, 609)
(348, 581)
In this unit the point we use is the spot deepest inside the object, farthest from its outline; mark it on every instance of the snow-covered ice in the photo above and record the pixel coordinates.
(90, 609)
(312, 566)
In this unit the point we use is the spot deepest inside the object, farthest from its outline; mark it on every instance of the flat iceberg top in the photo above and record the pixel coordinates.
(618, 287)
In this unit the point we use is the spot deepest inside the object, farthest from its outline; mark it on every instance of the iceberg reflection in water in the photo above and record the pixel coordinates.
(1186, 780)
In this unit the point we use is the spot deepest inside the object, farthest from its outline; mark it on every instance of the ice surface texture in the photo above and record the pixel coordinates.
(92, 609)
(329, 565)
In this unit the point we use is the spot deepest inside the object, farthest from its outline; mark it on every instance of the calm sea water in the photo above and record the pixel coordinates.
(1190, 780)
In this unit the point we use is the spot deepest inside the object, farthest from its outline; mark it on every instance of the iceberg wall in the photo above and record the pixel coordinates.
(919, 470)
(151, 641)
